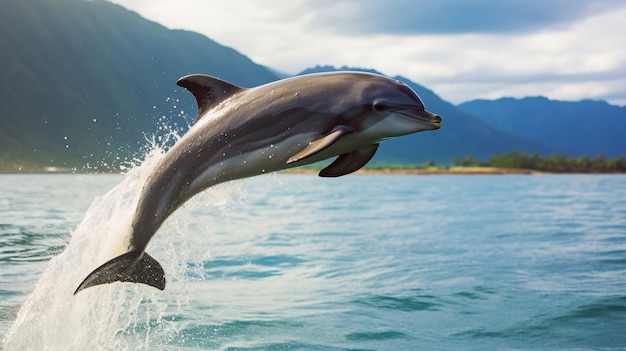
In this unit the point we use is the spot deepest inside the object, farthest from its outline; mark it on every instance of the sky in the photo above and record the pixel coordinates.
(461, 49)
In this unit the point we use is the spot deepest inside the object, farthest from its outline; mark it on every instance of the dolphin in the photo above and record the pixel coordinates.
(241, 133)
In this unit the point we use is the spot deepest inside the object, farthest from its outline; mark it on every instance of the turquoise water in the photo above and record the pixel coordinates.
(296, 262)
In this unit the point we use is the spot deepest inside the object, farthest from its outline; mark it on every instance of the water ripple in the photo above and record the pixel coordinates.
(405, 304)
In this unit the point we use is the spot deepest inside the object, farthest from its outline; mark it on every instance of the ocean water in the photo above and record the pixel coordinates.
(297, 262)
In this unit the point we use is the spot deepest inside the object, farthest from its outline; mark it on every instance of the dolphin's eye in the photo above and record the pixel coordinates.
(379, 106)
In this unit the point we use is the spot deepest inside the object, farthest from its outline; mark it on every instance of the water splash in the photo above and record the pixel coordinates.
(115, 316)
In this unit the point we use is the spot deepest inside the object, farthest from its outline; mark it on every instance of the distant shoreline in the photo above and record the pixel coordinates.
(447, 171)
(510, 163)
(364, 171)
(426, 171)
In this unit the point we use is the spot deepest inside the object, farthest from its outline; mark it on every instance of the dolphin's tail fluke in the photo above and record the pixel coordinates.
(129, 267)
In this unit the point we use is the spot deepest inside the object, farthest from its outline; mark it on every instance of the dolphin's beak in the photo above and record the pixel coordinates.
(422, 116)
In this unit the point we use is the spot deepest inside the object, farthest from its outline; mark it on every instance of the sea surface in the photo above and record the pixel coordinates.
(297, 262)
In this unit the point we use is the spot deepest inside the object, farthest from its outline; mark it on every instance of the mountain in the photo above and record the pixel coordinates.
(85, 81)
(89, 82)
(461, 133)
(577, 128)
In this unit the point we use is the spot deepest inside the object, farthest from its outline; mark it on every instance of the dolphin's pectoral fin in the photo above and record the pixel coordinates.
(128, 267)
(208, 91)
(350, 162)
(320, 144)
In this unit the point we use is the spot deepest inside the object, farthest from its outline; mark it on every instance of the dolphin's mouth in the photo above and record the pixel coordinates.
(421, 115)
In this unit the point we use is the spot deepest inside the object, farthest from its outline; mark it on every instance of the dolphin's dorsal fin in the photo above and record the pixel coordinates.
(320, 144)
(208, 91)
(350, 162)
(132, 267)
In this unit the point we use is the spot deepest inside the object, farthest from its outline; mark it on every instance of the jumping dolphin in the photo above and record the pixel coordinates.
(241, 133)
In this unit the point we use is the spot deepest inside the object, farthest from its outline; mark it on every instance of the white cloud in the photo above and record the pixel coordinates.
(573, 58)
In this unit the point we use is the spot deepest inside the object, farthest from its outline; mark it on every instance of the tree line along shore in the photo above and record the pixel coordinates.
(509, 163)
(552, 163)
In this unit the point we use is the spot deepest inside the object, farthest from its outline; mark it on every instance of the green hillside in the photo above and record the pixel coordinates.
(83, 81)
